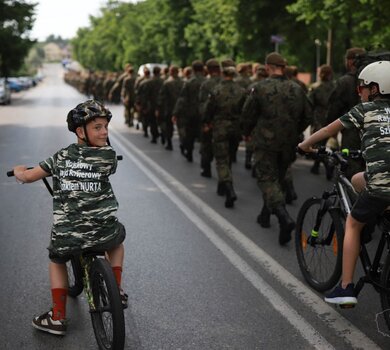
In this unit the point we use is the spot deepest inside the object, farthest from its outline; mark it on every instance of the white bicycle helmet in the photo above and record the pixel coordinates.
(379, 73)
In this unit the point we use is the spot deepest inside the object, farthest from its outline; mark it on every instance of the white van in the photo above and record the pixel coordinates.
(150, 66)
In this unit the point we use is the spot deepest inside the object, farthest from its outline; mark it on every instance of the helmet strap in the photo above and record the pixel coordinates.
(374, 95)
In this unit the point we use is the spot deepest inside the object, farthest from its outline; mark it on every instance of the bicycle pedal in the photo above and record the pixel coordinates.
(347, 306)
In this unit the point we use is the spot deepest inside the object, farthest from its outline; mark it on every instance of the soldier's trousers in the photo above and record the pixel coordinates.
(191, 133)
(149, 120)
(206, 148)
(166, 127)
(271, 169)
(129, 114)
(224, 147)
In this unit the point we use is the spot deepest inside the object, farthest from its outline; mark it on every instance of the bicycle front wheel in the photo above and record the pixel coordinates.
(319, 259)
(107, 317)
(385, 295)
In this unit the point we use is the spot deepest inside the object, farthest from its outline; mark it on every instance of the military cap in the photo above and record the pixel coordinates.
(353, 52)
(197, 65)
(275, 59)
(228, 63)
(212, 63)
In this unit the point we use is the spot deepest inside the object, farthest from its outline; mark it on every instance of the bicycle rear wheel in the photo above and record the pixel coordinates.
(319, 259)
(385, 296)
(75, 277)
(107, 318)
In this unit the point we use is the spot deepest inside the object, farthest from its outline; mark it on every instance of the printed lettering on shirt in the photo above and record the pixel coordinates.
(79, 170)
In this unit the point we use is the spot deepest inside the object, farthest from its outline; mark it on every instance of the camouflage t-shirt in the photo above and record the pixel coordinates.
(372, 119)
(84, 204)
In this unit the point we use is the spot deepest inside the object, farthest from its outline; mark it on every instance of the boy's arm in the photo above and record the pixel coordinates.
(25, 175)
(322, 134)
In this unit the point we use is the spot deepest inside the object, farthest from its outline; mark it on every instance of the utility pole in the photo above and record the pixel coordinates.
(329, 47)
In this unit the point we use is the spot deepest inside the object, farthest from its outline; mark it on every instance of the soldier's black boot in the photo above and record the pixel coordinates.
(189, 155)
(206, 169)
(221, 190)
(264, 218)
(182, 150)
(248, 159)
(315, 169)
(291, 195)
(286, 224)
(169, 145)
(231, 196)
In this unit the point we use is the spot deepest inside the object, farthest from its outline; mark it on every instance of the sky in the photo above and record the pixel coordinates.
(63, 17)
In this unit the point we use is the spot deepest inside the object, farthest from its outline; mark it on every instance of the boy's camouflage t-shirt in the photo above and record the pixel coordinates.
(84, 204)
(373, 121)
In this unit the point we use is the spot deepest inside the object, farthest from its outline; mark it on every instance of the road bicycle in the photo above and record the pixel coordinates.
(319, 236)
(91, 272)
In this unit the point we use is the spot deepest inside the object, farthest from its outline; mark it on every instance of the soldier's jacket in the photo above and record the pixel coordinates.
(128, 90)
(342, 99)
(204, 91)
(243, 80)
(168, 95)
(84, 204)
(116, 88)
(147, 94)
(372, 119)
(225, 102)
(278, 111)
(319, 97)
(187, 105)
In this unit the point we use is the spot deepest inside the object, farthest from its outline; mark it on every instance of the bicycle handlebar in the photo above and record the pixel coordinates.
(11, 172)
(322, 152)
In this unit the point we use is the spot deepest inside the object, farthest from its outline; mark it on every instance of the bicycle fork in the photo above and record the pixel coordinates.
(86, 263)
(324, 207)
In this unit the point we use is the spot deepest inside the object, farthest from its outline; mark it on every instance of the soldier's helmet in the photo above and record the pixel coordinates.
(85, 112)
(379, 73)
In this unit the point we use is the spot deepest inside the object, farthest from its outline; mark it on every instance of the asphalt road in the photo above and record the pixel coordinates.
(198, 275)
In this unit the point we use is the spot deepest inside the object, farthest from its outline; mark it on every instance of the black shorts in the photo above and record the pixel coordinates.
(116, 241)
(367, 208)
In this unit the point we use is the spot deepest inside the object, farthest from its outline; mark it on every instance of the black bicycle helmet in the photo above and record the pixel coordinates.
(86, 111)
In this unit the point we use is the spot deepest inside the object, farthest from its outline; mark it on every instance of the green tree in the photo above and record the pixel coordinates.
(365, 26)
(16, 20)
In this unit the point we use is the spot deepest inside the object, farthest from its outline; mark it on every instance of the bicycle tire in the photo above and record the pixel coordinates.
(75, 277)
(320, 264)
(385, 297)
(107, 318)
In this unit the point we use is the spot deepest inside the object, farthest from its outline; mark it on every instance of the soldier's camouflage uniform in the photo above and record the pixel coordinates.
(319, 96)
(168, 95)
(187, 112)
(223, 110)
(342, 99)
(277, 111)
(372, 120)
(128, 98)
(84, 204)
(147, 97)
(206, 144)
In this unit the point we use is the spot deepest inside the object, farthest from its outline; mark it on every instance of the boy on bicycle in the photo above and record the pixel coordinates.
(372, 118)
(84, 205)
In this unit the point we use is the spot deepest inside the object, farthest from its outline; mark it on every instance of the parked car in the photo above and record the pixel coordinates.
(5, 93)
(14, 85)
(150, 66)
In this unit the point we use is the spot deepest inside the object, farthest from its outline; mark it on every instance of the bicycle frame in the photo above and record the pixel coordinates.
(341, 198)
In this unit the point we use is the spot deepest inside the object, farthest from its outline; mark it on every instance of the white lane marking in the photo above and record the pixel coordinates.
(342, 327)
